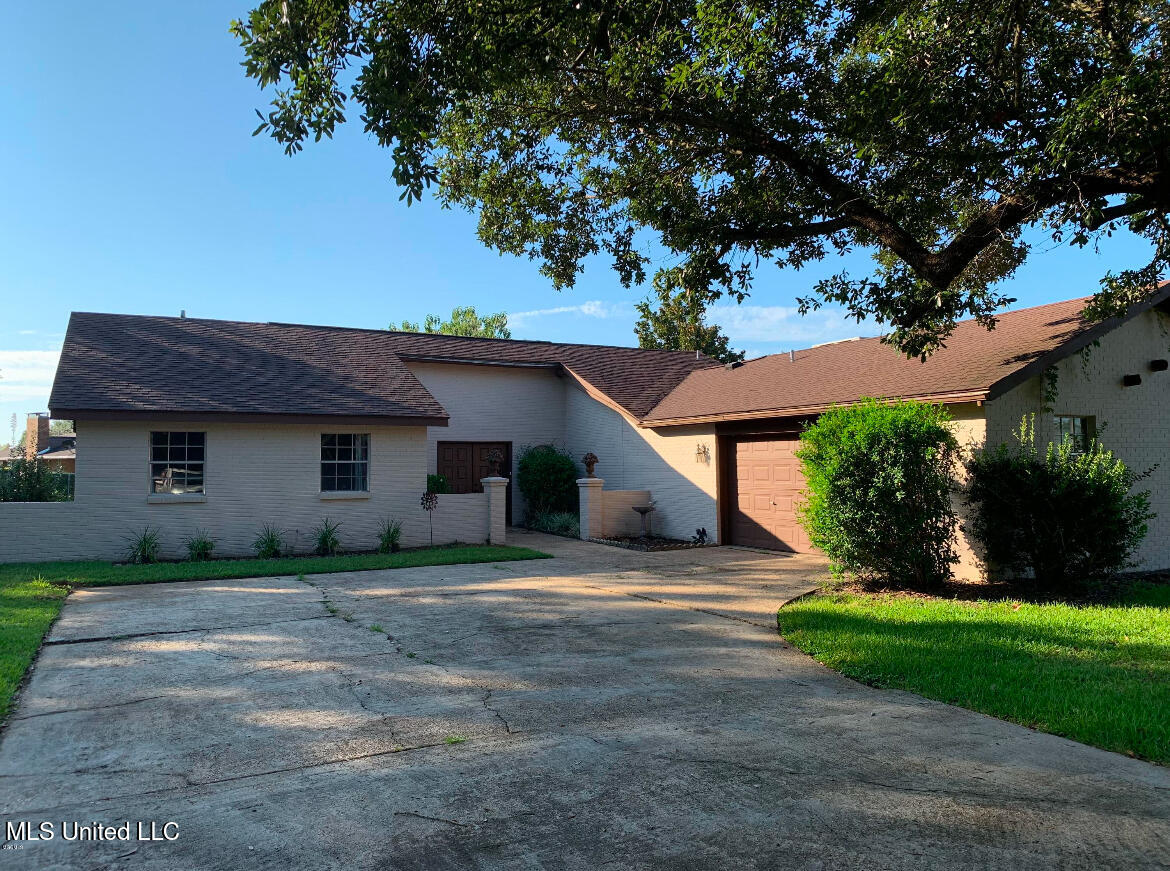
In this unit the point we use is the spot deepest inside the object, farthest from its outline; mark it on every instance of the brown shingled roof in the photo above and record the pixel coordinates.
(128, 364)
(975, 364)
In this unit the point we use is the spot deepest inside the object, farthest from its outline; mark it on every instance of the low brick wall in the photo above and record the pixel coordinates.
(618, 516)
(40, 531)
(607, 513)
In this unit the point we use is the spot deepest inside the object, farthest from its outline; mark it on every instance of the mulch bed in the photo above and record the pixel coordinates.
(654, 543)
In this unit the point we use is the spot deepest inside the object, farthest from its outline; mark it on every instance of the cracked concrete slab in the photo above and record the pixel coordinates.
(606, 707)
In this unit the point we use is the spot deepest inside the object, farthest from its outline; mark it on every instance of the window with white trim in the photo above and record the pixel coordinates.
(345, 462)
(177, 462)
(1081, 429)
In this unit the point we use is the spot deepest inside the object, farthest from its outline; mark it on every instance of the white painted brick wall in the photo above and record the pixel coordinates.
(255, 474)
(661, 461)
(495, 403)
(970, 429)
(1131, 421)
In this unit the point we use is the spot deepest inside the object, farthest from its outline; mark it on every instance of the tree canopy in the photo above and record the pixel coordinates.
(680, 321)
(932, 132)
(463, 322)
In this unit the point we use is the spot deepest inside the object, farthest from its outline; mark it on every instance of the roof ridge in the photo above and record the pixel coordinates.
(878, 338)
(381, 332)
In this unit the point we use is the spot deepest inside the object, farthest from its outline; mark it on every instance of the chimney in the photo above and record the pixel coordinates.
(36, 436)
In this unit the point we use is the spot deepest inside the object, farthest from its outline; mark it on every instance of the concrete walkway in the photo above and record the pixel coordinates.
(605, 708)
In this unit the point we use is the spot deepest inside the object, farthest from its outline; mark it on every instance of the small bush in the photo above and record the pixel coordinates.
(269, 542)
(390, 536)
(547, 476)
(143, 546)
(879, 477)
(325, 540)
(24, 480)
(1064, 517)
(199, 546)
(437, 484)
(556, 522)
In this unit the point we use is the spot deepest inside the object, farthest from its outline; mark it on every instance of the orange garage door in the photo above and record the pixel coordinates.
(767, 484)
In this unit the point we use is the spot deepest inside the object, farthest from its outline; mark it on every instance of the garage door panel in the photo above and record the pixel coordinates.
(767, 487)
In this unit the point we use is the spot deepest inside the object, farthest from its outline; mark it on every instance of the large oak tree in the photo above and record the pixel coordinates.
(933, 132)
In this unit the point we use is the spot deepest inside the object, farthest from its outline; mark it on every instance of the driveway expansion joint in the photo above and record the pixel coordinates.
(55, 642)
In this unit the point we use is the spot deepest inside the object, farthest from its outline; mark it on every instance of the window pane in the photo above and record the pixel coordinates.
(176, 462)
(344, 462)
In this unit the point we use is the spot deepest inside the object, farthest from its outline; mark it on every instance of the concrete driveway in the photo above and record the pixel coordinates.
(603, 709)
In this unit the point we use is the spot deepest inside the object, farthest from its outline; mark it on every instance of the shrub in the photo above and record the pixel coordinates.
(879, 477)
(269, 542)
(390, 536)
(23, 480)
(1065, 516)
(556, 522)
(437, 484)
(143, 546)
(547, 476)
(325, 540)
(199, 546)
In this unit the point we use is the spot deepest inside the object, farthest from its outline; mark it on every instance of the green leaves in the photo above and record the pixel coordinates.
(464, 321)
(730, 136)
(879, 477)
(1063, 515)
(679, 323)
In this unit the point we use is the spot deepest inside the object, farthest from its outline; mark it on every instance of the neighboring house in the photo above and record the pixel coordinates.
(223, 425)
(57, 450)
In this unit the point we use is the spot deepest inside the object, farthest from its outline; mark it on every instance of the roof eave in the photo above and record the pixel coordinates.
(950, 398)
(250, 417)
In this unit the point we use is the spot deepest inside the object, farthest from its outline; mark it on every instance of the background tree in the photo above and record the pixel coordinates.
(463, 322)
(679, 322)
(742, 134)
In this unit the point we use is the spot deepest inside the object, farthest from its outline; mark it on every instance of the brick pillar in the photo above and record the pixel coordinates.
(592, 518)
(36, 435)
(497, 493)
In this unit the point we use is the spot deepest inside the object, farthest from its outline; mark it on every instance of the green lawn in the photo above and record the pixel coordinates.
(1099, 674)
(27, 609)
(31, 593)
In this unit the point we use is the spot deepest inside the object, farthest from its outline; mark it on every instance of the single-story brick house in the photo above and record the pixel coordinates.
(199, 424)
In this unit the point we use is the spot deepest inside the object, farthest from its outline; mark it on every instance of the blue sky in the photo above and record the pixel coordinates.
(129, 182)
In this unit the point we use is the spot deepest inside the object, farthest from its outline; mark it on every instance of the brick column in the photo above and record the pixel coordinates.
(497, 493)
(592, 519)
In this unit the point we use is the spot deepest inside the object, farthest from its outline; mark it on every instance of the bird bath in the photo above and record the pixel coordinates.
(644, 510)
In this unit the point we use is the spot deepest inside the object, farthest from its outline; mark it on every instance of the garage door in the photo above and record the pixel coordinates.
(767, 484)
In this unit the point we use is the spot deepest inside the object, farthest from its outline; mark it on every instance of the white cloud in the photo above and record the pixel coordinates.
(784, 324)
(27, 375)
(593, 308)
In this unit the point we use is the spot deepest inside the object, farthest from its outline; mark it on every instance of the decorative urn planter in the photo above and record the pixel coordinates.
(590, 460)
(494, 458)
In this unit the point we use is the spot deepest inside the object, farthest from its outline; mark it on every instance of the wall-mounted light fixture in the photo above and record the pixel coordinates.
(702, 453)
(1131, 380)
(1159, 365)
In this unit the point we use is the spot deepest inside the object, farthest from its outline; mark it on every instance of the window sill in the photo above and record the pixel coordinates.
(334, 495)
(165, 498)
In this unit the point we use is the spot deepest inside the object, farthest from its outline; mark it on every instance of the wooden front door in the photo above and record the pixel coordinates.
(767, 485)
(465, 464)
